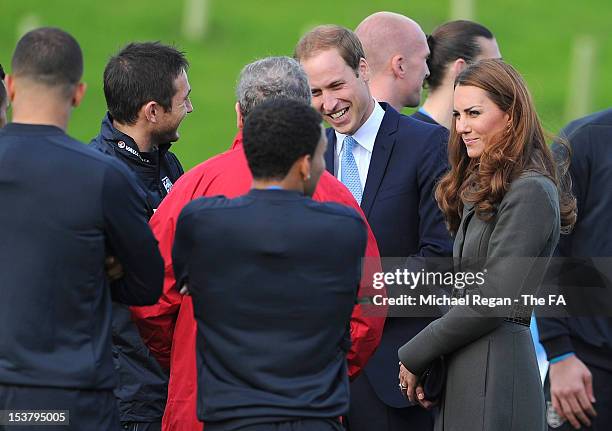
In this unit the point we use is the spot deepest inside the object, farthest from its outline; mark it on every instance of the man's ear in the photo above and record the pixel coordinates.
(151, 111)
(305, 164)
(10, 87)
(364, 69)
(457, 67)
(239, 117)
(79, 93)
(397, 66)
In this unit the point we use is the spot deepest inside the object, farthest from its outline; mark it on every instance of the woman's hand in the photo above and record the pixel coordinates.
(409, 385)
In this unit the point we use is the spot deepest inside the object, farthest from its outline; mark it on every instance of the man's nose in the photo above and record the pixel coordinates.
(329, 102)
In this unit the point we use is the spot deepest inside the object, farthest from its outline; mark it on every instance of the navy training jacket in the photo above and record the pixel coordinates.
(274, 278)
(66, 207)
(143, 384)
(591, 169)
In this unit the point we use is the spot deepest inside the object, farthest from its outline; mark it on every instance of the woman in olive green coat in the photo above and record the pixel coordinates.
(506, 203)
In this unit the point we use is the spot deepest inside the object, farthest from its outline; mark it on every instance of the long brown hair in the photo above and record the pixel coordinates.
(519, 147)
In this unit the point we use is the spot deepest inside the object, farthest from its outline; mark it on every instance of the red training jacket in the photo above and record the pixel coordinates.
(169, 329)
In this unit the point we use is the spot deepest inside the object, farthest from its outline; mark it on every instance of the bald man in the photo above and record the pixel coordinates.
(396, 50)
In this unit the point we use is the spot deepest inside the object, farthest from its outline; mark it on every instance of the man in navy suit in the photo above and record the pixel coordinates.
(274, 278)
(390, 163)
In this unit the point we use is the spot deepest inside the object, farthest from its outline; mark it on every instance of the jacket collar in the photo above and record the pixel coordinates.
(125, 145)
(33, 129)
(276, 194)
(237, 141)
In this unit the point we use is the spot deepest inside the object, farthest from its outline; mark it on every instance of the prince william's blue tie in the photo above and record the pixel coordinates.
(349, 171)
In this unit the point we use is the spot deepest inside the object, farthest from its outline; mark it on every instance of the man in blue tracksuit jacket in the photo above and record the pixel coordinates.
(65, 207)
(579, 349)
(147, 94)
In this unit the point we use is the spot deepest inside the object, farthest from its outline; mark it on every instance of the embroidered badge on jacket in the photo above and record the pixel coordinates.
(167, 184)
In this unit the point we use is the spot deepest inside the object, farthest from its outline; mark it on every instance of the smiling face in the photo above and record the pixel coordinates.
(478, 120)
(181, 106)
(339, 93)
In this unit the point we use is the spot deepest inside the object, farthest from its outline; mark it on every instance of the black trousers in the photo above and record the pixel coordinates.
(368, 413)
(602, 389)
(88, 409)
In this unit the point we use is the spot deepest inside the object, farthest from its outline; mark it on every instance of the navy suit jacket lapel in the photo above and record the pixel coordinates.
(383, 146)
(331, 150)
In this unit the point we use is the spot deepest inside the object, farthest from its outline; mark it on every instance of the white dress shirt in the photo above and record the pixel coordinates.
(365, 137)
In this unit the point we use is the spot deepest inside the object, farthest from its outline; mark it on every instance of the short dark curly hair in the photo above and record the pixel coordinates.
(277, 133)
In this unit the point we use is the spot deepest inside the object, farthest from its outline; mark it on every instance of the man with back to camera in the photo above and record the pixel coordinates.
(228, 174)
(3, 99)
(579, 349)
(65, 207)
(271, 355)
(390, 162)
(147, 95)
